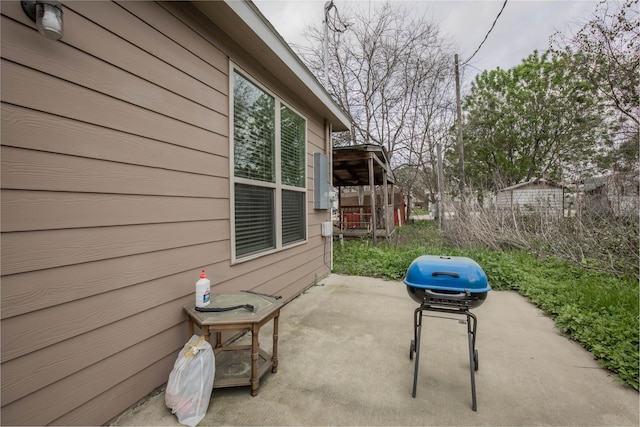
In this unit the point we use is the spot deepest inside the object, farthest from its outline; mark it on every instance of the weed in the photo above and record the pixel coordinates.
(597, 309)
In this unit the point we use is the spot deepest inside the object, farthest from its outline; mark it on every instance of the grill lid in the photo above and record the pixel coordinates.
(458, 274)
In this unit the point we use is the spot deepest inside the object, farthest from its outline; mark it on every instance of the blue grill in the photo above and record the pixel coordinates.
(446, 284)
(444, 280)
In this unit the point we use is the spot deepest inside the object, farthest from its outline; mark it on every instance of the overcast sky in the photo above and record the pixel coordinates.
(522, 27)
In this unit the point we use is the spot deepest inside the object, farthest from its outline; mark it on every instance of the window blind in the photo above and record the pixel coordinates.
(293, 216)
(254, 214)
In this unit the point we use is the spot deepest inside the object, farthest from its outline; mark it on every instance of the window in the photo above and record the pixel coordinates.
(269, 171)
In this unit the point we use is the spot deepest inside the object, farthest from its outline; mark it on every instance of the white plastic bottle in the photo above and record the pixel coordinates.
(203, 291)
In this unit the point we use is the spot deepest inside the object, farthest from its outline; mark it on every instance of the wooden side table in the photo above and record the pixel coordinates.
(232, 362)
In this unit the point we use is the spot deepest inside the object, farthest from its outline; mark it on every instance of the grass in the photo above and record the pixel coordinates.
(597, 310)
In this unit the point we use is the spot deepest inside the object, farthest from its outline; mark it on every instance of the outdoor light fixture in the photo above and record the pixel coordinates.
(47, 14)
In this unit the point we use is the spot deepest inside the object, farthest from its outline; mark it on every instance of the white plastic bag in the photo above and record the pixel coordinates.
(191, 381)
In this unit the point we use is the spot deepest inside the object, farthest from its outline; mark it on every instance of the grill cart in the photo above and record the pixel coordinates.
(446, 285)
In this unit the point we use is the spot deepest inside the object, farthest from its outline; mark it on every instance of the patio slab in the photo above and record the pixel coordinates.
(344, 360)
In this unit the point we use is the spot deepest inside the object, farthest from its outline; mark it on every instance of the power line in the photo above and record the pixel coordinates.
(474, 67)
(487, 35)
(336, 19)
(330, 23)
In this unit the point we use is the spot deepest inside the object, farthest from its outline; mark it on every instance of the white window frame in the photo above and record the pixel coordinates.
(278, 187)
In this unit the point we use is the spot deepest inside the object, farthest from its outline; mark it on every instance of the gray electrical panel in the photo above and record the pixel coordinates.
(320, 181)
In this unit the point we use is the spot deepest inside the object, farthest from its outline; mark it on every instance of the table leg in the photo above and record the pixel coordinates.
(274, 358)
(204, 330)
(255, 381)
(191, 328)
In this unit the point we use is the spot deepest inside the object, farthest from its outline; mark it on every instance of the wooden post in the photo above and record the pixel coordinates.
(340, 214)
(372, 186)
(385, 192)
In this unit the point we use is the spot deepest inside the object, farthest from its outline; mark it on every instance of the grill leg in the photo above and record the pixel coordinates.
(416, 313)
(417, 317)
(471, 332)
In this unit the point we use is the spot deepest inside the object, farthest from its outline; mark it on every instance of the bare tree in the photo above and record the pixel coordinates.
(605, 52)
(393, 72)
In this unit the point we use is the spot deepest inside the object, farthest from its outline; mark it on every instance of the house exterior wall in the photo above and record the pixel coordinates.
(623, 193)
(115, 193)
(615, 194)
(539, 197)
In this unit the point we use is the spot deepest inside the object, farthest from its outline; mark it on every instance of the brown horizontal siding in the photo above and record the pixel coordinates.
(115, 192)
(36, 250)
(123, 40)
(315, 136)
(117, 399)
(38, 170)
(112, 81)
(288, 280)
(153, 31)
(36, 290)
(48, 210)
(40, 368)
(268, 277)
(249, 275)
(36, 130)
(85, 315)
(27, 87)
(40, 407)
(194, 36)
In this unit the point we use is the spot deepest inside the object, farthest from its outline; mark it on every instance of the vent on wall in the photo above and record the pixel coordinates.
(320, 181)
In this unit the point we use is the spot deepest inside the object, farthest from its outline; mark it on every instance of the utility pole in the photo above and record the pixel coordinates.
(459, 126)
(440, 181)
(325, 45)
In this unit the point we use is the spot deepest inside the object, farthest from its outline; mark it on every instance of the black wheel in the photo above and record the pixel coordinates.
(475, 359)
(412, 349)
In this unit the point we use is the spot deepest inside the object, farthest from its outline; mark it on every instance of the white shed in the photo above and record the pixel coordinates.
(537, 195)
(617, 193)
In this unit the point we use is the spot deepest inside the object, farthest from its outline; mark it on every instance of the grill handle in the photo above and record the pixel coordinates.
(445, 273)
(460, 296)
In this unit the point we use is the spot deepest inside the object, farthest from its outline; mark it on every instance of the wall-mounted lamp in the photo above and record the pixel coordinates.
(47, 14)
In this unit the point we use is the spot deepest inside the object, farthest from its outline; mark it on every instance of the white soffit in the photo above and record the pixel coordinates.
(260, 39)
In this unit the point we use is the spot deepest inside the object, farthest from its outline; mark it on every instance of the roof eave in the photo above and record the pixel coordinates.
(244, 22)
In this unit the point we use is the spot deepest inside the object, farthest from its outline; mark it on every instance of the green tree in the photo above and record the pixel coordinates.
(538, 119)
(606, 53)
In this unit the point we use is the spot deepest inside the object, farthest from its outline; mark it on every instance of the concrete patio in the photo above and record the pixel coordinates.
(344, 360)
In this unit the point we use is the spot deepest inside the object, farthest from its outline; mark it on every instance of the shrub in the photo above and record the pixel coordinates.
(595, 308)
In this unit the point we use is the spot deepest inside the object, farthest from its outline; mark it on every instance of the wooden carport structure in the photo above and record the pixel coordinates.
(360, 166)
